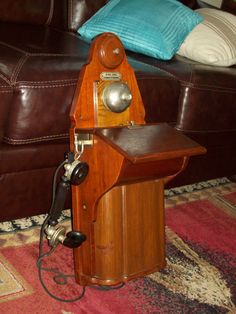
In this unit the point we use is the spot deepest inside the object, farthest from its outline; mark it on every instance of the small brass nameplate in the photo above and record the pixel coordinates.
(110, 76)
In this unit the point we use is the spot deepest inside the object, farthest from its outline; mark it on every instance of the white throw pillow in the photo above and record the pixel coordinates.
(214, 40)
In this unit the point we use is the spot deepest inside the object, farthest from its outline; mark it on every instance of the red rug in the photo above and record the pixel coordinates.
(200, 276)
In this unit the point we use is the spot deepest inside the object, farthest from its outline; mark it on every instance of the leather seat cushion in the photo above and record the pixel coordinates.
(207, 95)
(41, 65)
(42, 68)
(31, 156)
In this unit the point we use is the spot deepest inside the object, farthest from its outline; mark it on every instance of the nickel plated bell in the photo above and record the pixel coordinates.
(117, 97)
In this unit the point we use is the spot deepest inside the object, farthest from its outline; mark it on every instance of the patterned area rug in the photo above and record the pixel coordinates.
(200, 276)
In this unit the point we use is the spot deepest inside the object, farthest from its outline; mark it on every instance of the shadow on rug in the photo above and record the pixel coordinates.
(200, 276)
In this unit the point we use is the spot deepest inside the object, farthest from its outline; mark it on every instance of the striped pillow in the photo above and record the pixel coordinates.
(155, 28)
(214, 40)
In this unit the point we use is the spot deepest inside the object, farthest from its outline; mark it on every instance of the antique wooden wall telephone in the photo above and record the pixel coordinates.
(118, 166)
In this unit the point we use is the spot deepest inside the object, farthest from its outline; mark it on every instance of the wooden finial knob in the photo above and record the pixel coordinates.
(110, 51)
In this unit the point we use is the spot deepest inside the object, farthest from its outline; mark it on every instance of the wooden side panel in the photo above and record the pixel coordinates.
(108, 237)
(104, 167)
(144, 227)
(129, 232)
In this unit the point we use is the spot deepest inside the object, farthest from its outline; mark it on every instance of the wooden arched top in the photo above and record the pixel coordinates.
(107, 63)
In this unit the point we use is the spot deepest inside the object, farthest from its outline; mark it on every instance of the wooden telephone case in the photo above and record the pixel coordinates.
(120, 205)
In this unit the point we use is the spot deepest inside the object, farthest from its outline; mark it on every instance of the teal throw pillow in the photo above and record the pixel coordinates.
(155, 28)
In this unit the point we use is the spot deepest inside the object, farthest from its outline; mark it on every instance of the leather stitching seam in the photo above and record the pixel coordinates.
(12, 47)
(36, 139)
(210, 88)
(5, 79)
(71, 81)
(50, 14)
(18, 67)
(5, 91)
(41, 54)
(69, 14)
(47, 86)
(204, 131)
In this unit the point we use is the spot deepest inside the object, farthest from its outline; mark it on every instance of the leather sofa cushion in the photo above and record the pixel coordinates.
(62, 14)
(207, 95)
(31, 156)
(31, 11)
(5, 99)
(42, 68)
(81, 10)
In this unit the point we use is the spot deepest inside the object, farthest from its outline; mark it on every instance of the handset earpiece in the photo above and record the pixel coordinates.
(71, 239)
(76, 172)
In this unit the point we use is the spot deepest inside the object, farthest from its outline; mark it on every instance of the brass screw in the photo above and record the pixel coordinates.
(116, 51)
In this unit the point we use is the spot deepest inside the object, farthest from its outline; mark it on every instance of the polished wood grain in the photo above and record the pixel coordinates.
(120, 205)
(144, 143)
(133, 243)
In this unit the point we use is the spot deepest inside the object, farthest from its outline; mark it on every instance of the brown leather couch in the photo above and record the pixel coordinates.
(40, 59)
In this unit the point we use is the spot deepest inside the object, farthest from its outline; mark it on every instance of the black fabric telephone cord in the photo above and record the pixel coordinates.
(59, 277)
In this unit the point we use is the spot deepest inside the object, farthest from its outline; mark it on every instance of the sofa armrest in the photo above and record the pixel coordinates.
(5, 99)
(80, 11)
(29, 12)
(62, 14)
(229, 6)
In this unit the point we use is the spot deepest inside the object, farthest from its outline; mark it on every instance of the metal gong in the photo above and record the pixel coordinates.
(117, 97)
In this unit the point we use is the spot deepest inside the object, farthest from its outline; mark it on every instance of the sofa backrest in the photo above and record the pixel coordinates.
(28, 11)
(81, 10)
(63, 14)
(189, 3)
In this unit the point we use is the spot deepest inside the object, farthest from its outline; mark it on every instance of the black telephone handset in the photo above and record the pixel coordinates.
(75, 173)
